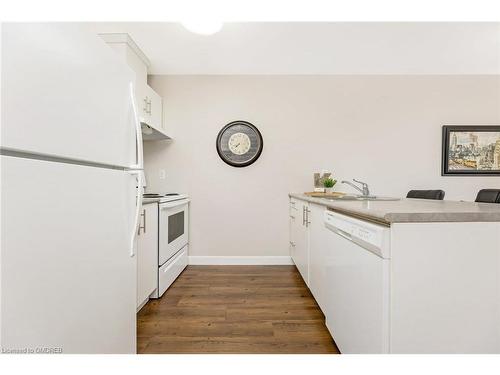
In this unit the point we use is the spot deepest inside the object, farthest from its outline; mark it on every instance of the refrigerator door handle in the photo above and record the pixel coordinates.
(138, 131)
(138, 206)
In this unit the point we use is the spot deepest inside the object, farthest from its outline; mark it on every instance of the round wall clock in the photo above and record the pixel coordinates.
(239, 143)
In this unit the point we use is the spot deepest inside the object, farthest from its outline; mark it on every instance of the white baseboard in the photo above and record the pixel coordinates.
(240, 260)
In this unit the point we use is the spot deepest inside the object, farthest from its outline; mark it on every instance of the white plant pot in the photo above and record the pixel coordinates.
(328, 190)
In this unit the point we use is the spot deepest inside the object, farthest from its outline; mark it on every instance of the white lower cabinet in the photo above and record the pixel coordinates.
(299, 237)
(318, 252)
(147, 253)
(348, 283)
(408, 288)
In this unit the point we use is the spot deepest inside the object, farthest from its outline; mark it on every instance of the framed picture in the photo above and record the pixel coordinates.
(471, 150)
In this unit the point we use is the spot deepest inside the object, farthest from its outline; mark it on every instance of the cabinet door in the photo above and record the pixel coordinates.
(142, 102)
(154, 109)
(299, 235)
(317, 254)
(147, 253)
(293, 220)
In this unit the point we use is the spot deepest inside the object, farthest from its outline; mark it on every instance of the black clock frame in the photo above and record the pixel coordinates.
(221, 154)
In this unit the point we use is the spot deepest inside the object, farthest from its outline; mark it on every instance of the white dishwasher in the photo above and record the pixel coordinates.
(357, 281)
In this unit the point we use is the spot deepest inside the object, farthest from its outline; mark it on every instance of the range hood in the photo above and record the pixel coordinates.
(151, 134)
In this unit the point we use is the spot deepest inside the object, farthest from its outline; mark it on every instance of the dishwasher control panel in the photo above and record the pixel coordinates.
(369, 235)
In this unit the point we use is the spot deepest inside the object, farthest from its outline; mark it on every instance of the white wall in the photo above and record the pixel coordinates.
(385, 130)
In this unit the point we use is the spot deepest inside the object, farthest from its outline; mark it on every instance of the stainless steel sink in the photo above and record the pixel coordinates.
(361, 198)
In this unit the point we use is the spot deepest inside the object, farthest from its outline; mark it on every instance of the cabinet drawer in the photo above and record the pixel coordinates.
(170, 270)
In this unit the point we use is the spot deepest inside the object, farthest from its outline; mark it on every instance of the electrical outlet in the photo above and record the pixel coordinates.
(163, 174)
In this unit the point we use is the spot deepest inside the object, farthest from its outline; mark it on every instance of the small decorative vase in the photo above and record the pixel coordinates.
(328, 190)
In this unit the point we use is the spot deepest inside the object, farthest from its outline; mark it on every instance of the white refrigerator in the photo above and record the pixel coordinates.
(71, 156)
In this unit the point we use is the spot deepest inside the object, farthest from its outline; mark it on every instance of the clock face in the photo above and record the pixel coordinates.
(239, 143)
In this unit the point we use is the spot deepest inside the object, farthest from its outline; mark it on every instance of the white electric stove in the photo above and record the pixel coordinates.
(173, 236)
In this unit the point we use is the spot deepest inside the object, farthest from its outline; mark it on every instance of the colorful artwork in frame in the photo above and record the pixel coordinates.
(471, 150)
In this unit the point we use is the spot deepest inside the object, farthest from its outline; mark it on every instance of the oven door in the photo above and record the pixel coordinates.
(173, 228)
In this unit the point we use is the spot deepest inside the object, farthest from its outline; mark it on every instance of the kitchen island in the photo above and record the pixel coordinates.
(402, 276)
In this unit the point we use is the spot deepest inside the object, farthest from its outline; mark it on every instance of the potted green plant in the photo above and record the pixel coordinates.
(328, 183)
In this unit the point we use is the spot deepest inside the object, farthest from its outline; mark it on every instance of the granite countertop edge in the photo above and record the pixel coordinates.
(410, 210)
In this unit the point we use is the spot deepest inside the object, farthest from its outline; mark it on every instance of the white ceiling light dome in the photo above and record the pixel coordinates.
(203, 26)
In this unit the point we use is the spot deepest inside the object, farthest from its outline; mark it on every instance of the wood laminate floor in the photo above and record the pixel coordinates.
(234, 309)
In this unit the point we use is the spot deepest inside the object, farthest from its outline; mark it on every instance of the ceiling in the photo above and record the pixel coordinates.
(318, 48)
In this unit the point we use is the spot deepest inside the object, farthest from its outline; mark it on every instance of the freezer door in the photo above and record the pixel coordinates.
(65, 93)
(67, 275)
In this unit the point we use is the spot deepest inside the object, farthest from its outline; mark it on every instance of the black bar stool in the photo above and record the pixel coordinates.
(488, 196)
(426, 194)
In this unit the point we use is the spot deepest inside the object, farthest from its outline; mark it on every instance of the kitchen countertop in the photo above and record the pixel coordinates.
(150, 200)
(411, 210)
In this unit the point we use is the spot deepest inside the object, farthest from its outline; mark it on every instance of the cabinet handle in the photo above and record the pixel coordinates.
(292, 217)
(307, 217)
(292, 203)
(145, 108)
(143, 227)
(149, 106)
(303, 215)
(292, 244)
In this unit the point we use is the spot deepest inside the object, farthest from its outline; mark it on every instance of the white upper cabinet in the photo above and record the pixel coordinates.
(151, 110)
(149, 103)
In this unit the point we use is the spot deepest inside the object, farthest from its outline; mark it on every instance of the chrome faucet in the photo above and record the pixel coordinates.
(363, 189)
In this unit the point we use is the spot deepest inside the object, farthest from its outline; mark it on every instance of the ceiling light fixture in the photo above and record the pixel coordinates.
(203, 27)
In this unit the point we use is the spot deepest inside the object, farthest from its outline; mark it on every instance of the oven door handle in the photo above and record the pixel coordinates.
(173, 204)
